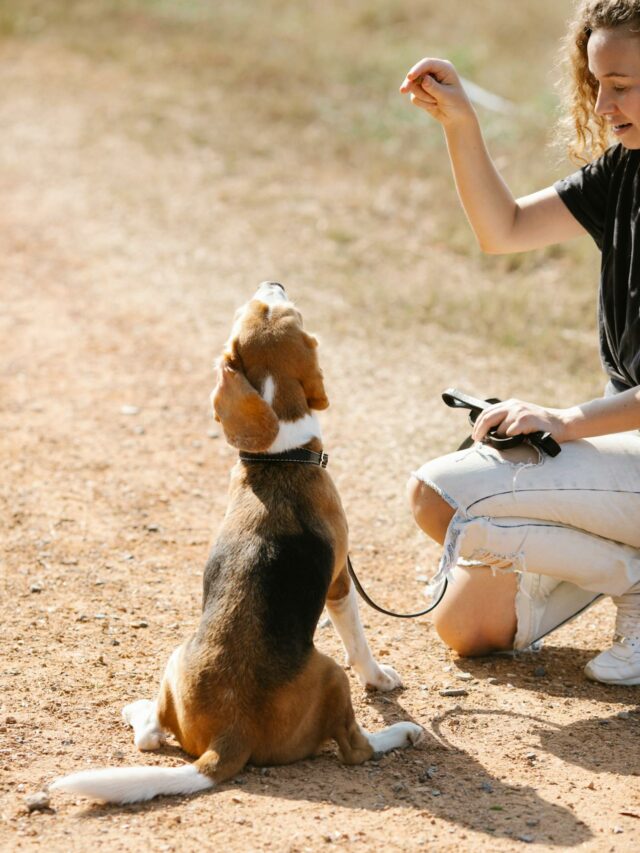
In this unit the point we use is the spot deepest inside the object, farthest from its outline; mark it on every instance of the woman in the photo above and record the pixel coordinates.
(541, 538)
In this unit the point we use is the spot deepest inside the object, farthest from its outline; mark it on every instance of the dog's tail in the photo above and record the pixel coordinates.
(134, 784)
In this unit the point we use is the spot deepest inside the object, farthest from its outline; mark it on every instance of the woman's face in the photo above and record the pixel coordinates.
(614, 60)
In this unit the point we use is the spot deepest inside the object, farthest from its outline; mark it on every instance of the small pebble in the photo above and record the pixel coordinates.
(435, 792)
(140, 624)
(539, 672)
(488, 787)
(533, 822)
(129, 410)
(38, 802)
(492, 680)
(623, 715)
(618, 829)
(10, 721)
(454, 691)
(464, 676)
(526, 838)
(429, 773)
(36, 587)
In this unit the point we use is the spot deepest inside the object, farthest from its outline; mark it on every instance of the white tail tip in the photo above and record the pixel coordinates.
(133, 784)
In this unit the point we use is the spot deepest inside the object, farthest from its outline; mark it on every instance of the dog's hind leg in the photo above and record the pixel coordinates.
(224, 758)
(142, 716)
(357, 745)
(394, 737)
(343, 612)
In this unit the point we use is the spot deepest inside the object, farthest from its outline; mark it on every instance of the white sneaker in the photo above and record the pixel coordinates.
(621, 663)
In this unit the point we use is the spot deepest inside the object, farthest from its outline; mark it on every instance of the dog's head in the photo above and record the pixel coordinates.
(268, 372)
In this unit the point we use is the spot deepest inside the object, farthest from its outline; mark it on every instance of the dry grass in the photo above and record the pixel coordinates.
(361, 179)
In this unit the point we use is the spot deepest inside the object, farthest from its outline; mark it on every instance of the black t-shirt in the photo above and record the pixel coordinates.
(604, 196)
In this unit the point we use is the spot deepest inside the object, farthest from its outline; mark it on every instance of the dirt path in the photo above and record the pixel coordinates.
(125, 246)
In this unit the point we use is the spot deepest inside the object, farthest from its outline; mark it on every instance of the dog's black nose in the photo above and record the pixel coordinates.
(273, 284)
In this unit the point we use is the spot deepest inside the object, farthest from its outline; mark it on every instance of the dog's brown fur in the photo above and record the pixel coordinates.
(249, 685)
(213, 698)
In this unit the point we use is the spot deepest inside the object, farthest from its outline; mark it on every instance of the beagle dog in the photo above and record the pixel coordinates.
(249, 684)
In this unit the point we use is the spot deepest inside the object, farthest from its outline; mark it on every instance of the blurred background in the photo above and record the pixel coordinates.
(256, 139)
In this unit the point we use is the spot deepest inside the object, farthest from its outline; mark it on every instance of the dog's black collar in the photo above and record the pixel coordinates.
(299, 454)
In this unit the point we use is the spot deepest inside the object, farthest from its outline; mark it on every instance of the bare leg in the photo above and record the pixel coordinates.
(478, 613)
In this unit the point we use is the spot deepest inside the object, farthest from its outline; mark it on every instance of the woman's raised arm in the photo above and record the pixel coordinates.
(501, 223)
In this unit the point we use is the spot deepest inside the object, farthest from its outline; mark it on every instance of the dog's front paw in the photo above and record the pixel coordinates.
(383, 678)
(414, 733)
(135, 711)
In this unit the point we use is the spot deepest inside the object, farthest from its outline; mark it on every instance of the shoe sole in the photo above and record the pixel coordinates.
(619, 682)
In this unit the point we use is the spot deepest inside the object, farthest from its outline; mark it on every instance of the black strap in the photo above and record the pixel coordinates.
(377, 607)
(459, 400)
(299, 454)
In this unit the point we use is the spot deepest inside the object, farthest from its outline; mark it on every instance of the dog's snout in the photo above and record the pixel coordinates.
(271, 291)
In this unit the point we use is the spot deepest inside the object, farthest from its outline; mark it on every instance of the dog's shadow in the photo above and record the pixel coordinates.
(434, 778)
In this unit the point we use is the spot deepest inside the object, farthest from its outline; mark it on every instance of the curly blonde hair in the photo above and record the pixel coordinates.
(585, 133)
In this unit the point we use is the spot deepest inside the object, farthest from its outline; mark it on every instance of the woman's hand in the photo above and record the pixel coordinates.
(515, 417)
(435, 87)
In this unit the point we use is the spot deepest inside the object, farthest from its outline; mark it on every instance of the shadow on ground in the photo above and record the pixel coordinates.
(434, 786)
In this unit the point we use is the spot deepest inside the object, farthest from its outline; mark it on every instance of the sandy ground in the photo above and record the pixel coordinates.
(121, 263)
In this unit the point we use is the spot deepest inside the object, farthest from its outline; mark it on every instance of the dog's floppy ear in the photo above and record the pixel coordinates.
(248, 421)
(312, 380)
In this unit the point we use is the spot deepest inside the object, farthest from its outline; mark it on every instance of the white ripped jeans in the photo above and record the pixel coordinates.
(574, 517)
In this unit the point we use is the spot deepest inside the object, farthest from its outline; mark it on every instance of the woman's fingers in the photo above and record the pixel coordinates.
(439, 68)
(417, 90)
(489, 419)
(514, 417)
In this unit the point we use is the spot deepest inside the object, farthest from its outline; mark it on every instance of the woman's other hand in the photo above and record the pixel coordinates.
(434, 86)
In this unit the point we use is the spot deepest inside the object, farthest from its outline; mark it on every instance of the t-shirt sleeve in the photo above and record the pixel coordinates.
(586, 191)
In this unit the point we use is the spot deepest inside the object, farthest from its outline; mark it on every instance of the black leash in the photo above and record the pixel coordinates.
(377, 607)
(310, 457)
(458, 400)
